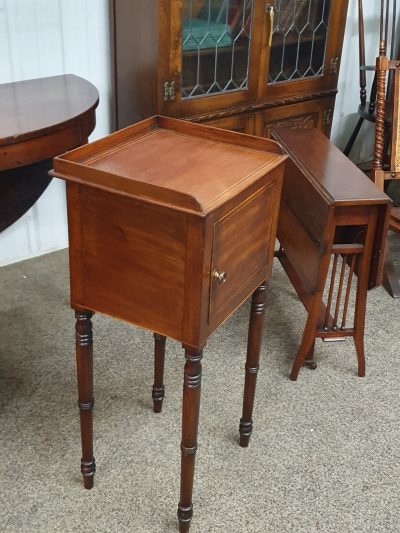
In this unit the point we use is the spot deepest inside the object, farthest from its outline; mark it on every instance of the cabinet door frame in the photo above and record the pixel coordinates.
(170, 63)
(328, 80)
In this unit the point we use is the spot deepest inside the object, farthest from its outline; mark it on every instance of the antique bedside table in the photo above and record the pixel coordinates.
(172, 226)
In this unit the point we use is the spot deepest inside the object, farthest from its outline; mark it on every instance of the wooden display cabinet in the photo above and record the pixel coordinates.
(235, 64)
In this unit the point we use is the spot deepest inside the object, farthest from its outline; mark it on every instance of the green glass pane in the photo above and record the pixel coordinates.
(215, 46)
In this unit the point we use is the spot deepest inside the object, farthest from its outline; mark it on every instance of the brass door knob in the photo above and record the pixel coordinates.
(219, 276)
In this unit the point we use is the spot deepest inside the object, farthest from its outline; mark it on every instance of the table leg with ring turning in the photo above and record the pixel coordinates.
(159, 358)
(190, 423)
(84, 362)
(253, 357)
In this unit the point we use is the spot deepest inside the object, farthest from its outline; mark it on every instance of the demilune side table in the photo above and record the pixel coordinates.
(39, 119)
(172, 226)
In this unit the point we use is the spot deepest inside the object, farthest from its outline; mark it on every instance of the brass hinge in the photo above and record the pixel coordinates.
(327, 116)
(334, 66)
(169, 91)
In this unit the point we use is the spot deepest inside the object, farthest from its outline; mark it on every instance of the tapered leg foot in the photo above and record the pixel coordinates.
(252, 363)
(312, 365)
(307, 342)
(88, 469)
(310, 361)
(245, 431)
(184, 517)
(359, 345)
(300, 360)
(159, 358)
(84, 361)
(190, 422)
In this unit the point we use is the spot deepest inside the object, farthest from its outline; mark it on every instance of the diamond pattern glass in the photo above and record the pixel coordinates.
(215, 46)
(298, 39)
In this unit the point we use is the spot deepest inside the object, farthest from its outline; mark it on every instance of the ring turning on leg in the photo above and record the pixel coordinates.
(159, 358)
(190, 422)
(84, 362)
(253, 357)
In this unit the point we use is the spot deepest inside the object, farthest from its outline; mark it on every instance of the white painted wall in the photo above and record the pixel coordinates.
(49, 37)
(41, 38)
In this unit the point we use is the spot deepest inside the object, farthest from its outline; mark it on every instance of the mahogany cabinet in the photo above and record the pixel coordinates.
(235, 64)
(172, 226)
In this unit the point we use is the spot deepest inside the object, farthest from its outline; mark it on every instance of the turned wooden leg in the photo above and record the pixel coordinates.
(159, 358)
(190, 422)
(253, 357)
(84, 362)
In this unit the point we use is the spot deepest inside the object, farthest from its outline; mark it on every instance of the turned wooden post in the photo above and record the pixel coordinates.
(190, 422)
(159, 358)
(253, 357)
(361, 47)
(381, 64)
(84, 362)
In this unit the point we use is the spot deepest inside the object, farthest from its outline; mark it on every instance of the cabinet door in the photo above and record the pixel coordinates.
(210, 54)
(242, 251)
(304, 46)
(312, 114)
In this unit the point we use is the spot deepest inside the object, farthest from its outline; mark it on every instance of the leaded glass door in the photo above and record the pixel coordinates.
(302, 47)
(298, 40)
(218, 53)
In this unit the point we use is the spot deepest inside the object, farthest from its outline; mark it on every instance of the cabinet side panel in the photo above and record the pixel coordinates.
(132, 261)
(135, 36)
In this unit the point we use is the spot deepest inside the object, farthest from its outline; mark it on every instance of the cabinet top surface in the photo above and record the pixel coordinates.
(189, 166)
(328, 169)
(31, 108)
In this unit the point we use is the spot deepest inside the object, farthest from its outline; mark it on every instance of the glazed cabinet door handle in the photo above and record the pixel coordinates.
(271, 10)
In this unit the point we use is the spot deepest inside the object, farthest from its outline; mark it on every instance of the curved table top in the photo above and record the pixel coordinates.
(39, 119)
(44, 117)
